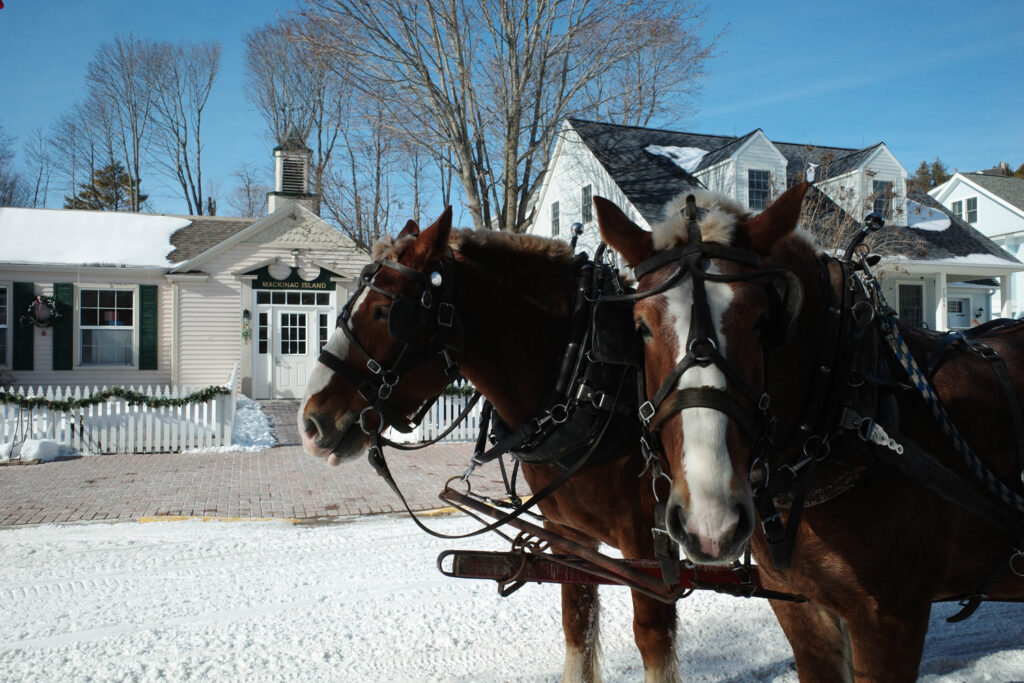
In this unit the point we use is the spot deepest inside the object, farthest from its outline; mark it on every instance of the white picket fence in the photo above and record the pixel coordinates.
(438, 418)
(117, 427)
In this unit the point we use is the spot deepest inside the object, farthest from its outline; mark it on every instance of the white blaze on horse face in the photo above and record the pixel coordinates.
(318, 380)
(706, 467)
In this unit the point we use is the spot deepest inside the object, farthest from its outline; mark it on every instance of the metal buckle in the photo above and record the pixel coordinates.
(446, 314)
(362, 421)
(373, 366)
(764, 403)
(426, 299)
(559, 413)
(646, 412)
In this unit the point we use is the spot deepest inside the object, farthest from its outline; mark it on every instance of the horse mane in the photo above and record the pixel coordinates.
(528, 265)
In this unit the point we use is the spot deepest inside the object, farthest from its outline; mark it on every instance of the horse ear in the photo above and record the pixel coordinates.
(778, 220)
(411, 228)
(434, 240)
(622, 234)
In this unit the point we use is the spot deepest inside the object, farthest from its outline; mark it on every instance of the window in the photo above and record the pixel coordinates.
(958, 209)
(4, 326)
(554, 219)
(758, 189)
(972, 210)
(587, 204)
(293, 334)
(294, 298)
(955, 306)
(881, 191)
(325, 331)
(106, 325)
(263, 332)
(911, 304)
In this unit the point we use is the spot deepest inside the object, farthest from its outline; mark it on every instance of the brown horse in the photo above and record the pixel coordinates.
(511, 294)
(875, 547)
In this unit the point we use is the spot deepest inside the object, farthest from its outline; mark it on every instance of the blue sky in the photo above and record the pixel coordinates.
(928, 78)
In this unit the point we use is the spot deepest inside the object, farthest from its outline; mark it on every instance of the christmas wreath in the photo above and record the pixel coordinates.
(41, 312)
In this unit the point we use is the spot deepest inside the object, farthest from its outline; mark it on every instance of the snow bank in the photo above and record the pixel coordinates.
(686, 158)
(34, 450)
(250, 432)
(363, 601)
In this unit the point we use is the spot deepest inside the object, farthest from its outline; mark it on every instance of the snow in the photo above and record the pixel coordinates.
(924, 217)
(250, 432)
(363, 601)
(70, 237)
(686, 158)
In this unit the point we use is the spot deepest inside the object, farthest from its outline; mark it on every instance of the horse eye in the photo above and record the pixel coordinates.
(644, 331)
(381, 312)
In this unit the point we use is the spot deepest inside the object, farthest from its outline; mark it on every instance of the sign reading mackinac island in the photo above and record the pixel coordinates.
(265, 281)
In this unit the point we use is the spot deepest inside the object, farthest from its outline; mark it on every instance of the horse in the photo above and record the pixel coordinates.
(511, 296)
(736, 311)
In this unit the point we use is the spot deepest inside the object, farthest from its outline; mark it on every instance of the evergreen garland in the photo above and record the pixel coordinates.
(132, 397)
(30, 312)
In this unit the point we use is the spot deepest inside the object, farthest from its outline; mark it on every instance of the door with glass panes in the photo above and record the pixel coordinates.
(290, 329)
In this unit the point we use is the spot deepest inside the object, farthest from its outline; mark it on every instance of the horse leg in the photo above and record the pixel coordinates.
(820, 641)
(888, 646)
(580, 611)
(654, 629)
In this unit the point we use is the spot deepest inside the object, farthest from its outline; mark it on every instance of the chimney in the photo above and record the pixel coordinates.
(291, 174)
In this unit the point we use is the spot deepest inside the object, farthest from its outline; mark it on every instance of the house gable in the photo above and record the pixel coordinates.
(997, 212)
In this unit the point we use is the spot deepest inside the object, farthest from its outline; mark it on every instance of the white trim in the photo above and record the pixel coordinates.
(8, 287)
(782, 158)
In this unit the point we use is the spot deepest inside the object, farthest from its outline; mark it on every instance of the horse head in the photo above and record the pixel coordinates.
(708, 311)
(391, 349)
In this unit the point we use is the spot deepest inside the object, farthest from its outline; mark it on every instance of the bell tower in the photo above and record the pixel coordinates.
(291, 174)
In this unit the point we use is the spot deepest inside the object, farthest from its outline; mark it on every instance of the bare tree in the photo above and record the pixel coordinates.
(13, 190)
(249, 197)
(491, 80)
(37, 151)
(122, 96)
(182, 76)
(292, 83)
(75, 151)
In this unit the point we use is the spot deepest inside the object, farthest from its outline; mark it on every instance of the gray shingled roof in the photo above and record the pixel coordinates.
(648, 180)
(203, 233)
(1007, 188)
(959, 239)
(724, 152)
(292, 140)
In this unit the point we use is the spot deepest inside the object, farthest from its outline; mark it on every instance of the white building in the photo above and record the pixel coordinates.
(153, 299)
(944, 278)
(993, 203)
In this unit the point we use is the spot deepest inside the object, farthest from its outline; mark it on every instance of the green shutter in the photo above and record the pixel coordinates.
(147, 327)
(24, 335)
(64, 330)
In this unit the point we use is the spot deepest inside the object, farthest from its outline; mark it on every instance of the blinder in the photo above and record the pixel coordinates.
(785, 298)
(614, 339)
(405, 318)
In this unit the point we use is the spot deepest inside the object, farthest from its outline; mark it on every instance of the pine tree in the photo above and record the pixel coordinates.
(110, 190)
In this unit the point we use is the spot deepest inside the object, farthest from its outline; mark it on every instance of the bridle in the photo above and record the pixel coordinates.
(407, 317)
(752, 414)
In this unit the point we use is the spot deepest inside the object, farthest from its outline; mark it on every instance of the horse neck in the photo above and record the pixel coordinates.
(515, 317)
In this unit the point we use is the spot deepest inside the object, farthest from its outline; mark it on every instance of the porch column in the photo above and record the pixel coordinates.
(941, 307)
(1004, 296)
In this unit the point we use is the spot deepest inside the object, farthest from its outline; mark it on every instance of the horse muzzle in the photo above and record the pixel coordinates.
(712, 534)
(336, 440)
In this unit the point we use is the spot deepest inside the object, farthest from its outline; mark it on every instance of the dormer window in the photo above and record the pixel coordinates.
(758, 189)
(958, 209)
(972, 209)
(882, 194)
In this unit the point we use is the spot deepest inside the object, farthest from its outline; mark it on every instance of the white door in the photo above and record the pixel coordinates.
(295, 351)
(959, 312)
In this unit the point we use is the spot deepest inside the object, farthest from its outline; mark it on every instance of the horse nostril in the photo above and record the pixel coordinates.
(312, 428)
(744, 524)
(675, 521)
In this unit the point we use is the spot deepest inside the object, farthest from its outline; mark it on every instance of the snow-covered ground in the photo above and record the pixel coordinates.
(361, 601)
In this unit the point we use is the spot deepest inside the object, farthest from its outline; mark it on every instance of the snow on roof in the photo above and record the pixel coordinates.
(63, 236)
(686, 158)
(926, 218)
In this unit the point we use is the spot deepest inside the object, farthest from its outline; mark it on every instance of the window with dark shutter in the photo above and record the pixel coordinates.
(64, 330)
(24, 335)
(148, 327)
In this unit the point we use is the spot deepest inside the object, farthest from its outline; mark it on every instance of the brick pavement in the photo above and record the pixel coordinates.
(281, 482)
